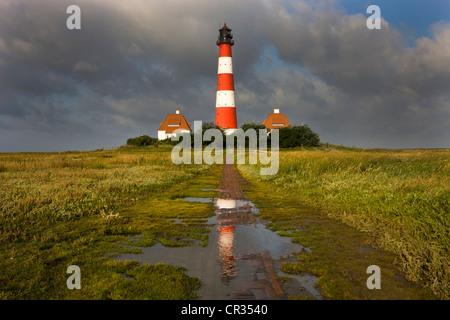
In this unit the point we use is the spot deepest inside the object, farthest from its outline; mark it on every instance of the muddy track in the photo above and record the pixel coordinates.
(262, 282)
(230, 185)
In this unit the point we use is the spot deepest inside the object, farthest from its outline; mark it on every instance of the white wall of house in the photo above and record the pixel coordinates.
(162, 134)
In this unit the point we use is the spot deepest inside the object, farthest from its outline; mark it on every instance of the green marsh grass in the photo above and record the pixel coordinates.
(85, 208)
(400, 197)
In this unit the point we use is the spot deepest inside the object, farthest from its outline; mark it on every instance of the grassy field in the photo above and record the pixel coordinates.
(59, 209)
(401, 198)
(85, 208)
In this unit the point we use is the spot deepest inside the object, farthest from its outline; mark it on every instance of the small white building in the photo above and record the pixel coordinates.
(173, 124)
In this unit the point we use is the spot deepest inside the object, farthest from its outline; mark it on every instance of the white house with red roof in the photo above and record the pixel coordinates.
(173, 124)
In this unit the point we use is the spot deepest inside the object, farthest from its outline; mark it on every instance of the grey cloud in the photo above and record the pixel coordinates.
(343, 52)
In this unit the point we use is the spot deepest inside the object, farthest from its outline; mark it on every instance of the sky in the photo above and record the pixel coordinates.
(133, 62)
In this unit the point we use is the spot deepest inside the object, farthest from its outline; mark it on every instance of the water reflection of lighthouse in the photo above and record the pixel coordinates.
(226, 239)
(230, 212)
(226, 254)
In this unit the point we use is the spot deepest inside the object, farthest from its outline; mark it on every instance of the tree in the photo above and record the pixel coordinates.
(298, 135)
(206, 126)
(255, 125)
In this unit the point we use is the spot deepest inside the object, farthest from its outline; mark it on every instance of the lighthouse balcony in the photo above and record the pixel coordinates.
(224, 41)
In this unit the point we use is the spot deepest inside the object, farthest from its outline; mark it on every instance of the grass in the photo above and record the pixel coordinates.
(85, 208)
(400, 197)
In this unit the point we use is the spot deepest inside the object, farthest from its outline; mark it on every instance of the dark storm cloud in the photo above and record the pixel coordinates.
(134, 61)
(371, 81)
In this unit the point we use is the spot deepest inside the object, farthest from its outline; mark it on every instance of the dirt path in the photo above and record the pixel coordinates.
(261, 277)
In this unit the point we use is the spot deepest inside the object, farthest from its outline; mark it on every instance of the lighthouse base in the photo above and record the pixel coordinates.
(226, 118)
(229, 131)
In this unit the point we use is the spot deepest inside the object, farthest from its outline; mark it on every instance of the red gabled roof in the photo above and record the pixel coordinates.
(276, 118)
(224, 27)
(174, 122)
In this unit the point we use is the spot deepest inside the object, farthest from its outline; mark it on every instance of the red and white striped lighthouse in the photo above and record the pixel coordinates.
(225, 104)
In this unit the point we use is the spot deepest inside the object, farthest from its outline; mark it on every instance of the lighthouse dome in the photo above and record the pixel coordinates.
(225, 35)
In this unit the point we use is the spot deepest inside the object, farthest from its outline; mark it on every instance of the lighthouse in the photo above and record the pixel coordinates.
(225, 104)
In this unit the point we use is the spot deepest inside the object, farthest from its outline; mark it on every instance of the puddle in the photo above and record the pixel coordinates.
(130, 278)
(240, 258)
(204, 200)
(176, 220)
(302, 285)
(363, 249)
(232, 265)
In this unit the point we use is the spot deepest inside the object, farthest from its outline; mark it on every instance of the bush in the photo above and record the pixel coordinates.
(296, 136)
(141, 141)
